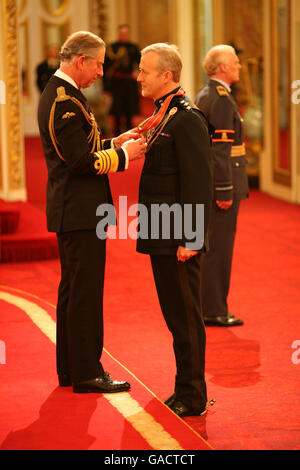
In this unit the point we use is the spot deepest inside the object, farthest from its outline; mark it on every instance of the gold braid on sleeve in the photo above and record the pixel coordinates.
(107, 162)
(94, 135)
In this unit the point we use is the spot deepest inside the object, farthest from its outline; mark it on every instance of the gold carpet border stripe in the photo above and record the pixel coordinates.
(108, 396)
(143, 422)
(158, 399)
(38, 315)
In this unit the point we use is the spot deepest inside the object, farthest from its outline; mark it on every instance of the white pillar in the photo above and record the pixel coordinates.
(185, 43)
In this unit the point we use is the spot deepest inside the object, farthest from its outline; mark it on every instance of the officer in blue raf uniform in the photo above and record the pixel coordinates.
(222, 66)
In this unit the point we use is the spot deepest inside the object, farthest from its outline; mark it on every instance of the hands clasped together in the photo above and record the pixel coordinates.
(133, 142)
(136, 145)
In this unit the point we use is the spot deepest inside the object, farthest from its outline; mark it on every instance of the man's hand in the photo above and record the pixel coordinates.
(129, 135)
(135, 148)
(184, 254)
(224, 205)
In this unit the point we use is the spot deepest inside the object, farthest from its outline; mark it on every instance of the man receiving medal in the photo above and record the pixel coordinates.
(176, 174)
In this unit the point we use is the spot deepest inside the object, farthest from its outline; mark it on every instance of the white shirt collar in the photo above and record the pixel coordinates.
(223, 83)
(65, 77)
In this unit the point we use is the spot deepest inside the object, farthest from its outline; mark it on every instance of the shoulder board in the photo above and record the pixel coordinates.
(222, 90)
(61, 94)
(194, 106)
(186, 105)
(61, 97)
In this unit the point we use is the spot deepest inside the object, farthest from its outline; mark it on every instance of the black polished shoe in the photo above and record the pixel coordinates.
(170, 400)
(182, 410)
(102, 384)
(64, 380)
(226, 320)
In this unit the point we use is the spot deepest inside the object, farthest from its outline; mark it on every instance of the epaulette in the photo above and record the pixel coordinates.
(186, 105)
(61, 94)
(94, 135)
(221, 90)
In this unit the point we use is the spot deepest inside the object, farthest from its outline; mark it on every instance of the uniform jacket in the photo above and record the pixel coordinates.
(177, 170)
(77, 176)
(228, 148)
(44, 72)
(121, 60)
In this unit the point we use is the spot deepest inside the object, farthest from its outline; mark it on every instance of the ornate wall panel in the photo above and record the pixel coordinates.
(55, 7)
(1, 157)
(43, 23)
(295, 99)
(281, 86)
(98, 17)
(14, 138)
(244, 30)
(24, 58)
(55, 27)
(154, 21)
(2, 104)
(54, 33)
(297, 120)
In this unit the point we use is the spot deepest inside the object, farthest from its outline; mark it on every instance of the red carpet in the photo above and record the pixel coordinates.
(28, 239)
(23, 231)
(36, 414)
(252, 371)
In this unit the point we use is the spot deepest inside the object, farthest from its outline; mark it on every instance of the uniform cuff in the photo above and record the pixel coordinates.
(126, 157)
(224, 195)
(125, 153)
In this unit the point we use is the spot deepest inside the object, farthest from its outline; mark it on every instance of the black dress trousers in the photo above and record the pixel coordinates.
(177, 286)
(217, 261)
(80, 304)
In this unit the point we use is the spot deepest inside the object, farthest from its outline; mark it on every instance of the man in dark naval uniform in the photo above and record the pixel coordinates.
(78, 161)
(47, 68)
(230, 180)
(120, 73)
(176, 180)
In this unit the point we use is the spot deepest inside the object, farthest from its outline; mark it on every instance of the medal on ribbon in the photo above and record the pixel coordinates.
(151, 126)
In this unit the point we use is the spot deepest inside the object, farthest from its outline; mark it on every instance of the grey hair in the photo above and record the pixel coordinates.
(81, 43)
(169, 58)
(216, 55)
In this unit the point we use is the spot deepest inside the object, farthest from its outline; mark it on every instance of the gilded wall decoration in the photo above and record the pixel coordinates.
(297, 117)
(281, 80)
(1, 175)
(24, 58)
(98, 17)
(12, 80)
(153, 21)
(54, 33)
(55, 7)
